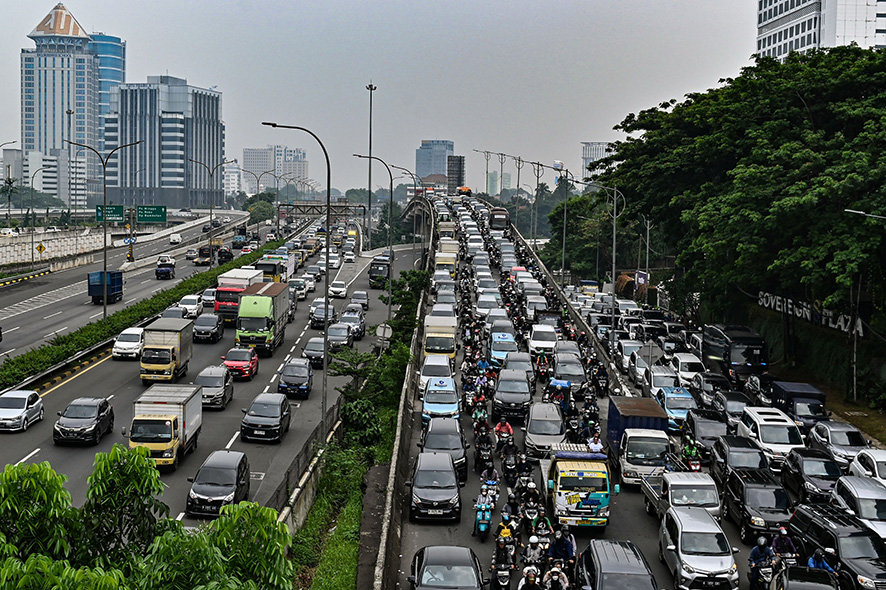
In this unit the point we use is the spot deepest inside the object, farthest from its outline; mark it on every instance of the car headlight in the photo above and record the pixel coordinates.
(630, 474)
(733, 569)
(167, 372)
(192, 495)
(757, 521)
(809, 486)
(604, 511)
(229, 497)
(454, 500)
(416, 499)
(168, 454)
(687, 568)
(865, 582)
(91, 427)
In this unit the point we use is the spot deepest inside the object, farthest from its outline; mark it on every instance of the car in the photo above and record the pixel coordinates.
(314, 352)
(315, 271)
(300, 287)
(542, 337)
(704, 427)
(523, 362)
(446, 566)
(218, 386)
(636, 366)
(704, 386)
(242, 362)
(222, 479)
(357, 322)
(776, 433)
(361, 297)
(730, 405)
(226, 219)
(732, 452)
(568, 367)
(694, 547)
(206, 228)
(686, 365)
(656, 377)
(208, 297)
(209, 327)
(174, 312)
(86, 419)
(434, 366)
(869, 463)
(607, 564)
(310, 283)
(511, 396)
(501, 344)
(268, 417)
(349, 257)
(338, 336)
(192, 304)
(321, 317)
(175, 239)
(809, 475)
(756, 502)
(435, 488)
(271, 237)
(338, 289)
(544, 427)
(439, 399)
(805, 578)
(444, 435)
(245, 250)
(676, 402)
(19, 409)
(334, 261)
(296, 378)
(864, 498)
(165, 260)
(840, 440)
(129, 344)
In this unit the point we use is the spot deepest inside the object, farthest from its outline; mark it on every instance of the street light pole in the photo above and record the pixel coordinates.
(415, 182)
(487, 155)
(326, 282)
(211, 172)
(646, 291)
(368, 222)
(390, 229)
(538, 170)
(33, 215)
(519, 163)
(104, 162)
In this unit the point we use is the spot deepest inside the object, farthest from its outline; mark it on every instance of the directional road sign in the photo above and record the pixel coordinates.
(115, 213)
(129, 240)
(150, 213)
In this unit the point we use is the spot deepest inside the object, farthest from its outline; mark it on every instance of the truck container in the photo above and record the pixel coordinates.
(449, 246)
(446, 261)
(230, 285)
(668, 489)
(577, 485)
(166, 419)
(803, 403)
(262, 316)
(446, 229)
(95, 282)
(169, 344)
(636, 429)
(440, 336)
(289, 264)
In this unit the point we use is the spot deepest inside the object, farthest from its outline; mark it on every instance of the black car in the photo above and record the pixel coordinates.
(730, 405)
(339, 336)
(704, 387)
(209, 327)
(735, 452)
(756, 502)
(174, 312)
(805, 578)
(218, 386)
(313, 351)
(521, 361)
(317, 318)
(225, 255)
(85, 419)
(607, 563)
(268, 418)
(223, 479)
(206, 227)
(705, 427)
(846, 541)
(296, 378)
(758, 388)
(444, 435)
(357, 324)
(435, 488)
(446, 566)
(512, 396)
(810, 475)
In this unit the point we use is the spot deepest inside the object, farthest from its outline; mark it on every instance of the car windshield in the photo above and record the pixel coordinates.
(569, 370)
(582, 484)
(295, 370)
(238, 354)
(426, 478)
(338, 284)
(680, 403)
(151, 431)
(504, 346)
(439, 344)
(443, 441)
(768, 498)
(206, 321)
(544, 336)
(441, 396)
(314, 345)
(430, 370)
(520, 365)
(339, 331)
(264, 410)
(705, 544)
(735, 407)
(781, 435)
(512, 386)
(545, 427)
(210, 380)
(747, 354)
(709, 429)
(154, 356)
(823, 468)
(213, 476)
(646, 451)
(694, 496)
(486, 303)
(252, 324)
(80, 411)
(862, 546)
(810, 410)
(848, 438)
(129, 338)
(621, 581)
(227, 296)
(692, 367)
(449, 576)
(188, 301)
(664, 381)
(750, 459)
(872, 508)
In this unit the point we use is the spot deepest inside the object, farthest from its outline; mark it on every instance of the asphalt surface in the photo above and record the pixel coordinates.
(35, 311)
(120, 379)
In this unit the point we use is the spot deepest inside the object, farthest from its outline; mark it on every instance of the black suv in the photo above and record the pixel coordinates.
(735, 452)
(209, 326)
(317, 317)
(608, 564)
(730, 405)
(757, 503)
(704, 386)
(810, 475)
(858, 551)
(705, 427)
(444, 435)
(85, 419)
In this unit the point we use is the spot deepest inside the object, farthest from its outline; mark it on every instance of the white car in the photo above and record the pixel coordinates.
(349, 257)
(52, 229)
(334, 261)
(19, 409)
(869, 463)
(309, 282)
(129, 343)
(338, 289)
(165, 260)
(226, 220)
(686, 365)
(192, 304)
(175, 239)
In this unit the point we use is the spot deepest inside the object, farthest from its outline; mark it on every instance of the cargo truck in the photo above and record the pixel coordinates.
(230, 285)
(446, 261)
(803, 403)
(206, 253)
(636, 429)
(96, 286)
(272, 270)
(449, 246)
(577, 485)
(169, 344)
(262, 316)
(288, 262)
(166, 419)
(379, 272)
(446, 229)
(440, 336)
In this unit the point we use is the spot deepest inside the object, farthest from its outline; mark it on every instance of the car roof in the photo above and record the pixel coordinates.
(702, 414)
(843, 426)
(661, 370)
(735, 442)
(214, 370)
(444, 425)
(269, 398)
(503, 337)
(686, 356)
(545, 411)
(733, 395)
(437, 359)
(756, 477)
(18, 393)
(769, 415)
(133, 331)
(675, 392)
(298, 361)
(621, 557)
(87, 401)
(807, 453)
(223, 459)
(694, 519)
(864, 487)
(446, 554)
(442, 383)
(434, 461)
(519, 356)
(542, 328)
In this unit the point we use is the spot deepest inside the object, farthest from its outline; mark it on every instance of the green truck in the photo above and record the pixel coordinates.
(262, 316)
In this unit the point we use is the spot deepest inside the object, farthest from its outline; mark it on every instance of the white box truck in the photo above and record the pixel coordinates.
(166, 419)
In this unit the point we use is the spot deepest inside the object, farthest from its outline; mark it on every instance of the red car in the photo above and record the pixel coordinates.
(242, 362)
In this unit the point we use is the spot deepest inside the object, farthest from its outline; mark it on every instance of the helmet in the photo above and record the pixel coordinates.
(502, 420)
(484, 488)
(819, 554)
(558, 535)
(501, 540)
(783, 532)
(531, 485)
(541, 508)
(533, 540)
(565, 529)
(761, 541)
(559, 387)
(505, 517)
(511, 497)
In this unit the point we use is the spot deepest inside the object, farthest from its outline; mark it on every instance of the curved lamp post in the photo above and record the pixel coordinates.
(211, 172)
(390, 229)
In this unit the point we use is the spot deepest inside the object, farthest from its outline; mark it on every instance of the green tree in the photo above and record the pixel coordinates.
(122, 507)
(260, 211)
(350, 362)
(265, 196)
(356, 195)
(40, 572)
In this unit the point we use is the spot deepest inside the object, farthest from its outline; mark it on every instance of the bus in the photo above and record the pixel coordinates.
(499, 218)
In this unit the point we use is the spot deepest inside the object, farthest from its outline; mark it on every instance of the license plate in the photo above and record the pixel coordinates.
(259, 432)
(585, 521)
(712, 583)
(435, 512)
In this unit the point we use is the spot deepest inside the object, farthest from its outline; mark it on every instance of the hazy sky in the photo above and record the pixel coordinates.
(527, 78)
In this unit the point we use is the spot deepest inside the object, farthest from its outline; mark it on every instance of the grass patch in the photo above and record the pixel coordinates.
(338, 564)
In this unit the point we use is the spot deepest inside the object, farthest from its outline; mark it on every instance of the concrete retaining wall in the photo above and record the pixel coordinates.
(17, 249)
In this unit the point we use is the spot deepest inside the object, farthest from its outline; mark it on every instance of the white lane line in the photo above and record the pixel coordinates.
(10, 351)
(110, 397)
(302, 332)
(267, 387)
(359, 273)
(233, 438)
(14, 329)
(31, 454)
(290, 350)
(145, 281)
(180, 516)
(273, 378)
(95, 315)
(52, 315)
(280, 368)
(129, 301)
(55, 333)
(296, 342)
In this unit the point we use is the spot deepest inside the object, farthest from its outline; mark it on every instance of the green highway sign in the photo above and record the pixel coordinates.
(115, 213)
(150, 213)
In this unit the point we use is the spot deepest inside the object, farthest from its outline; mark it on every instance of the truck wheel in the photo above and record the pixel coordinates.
(650, 510)
(175, 462)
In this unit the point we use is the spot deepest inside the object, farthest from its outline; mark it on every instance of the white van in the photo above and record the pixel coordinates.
(175, 239)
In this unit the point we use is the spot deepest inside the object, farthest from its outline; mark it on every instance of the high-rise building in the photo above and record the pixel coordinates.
(455, 173)
(111, 53)
(176, 123)
(591, 151)
(799, 25)
(431, 157)
(233, 178)
(505, 180)
(262, 164)
(492, 183)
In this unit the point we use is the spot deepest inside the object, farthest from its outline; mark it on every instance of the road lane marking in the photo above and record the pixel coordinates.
(180, 516)
(110, 397)
(297, 340)
(95, 315)
(31, 454)
(55, 333)
(273, 378)
(233, 438)
(74, 376)
(280, 368)
(291, 349)
(10, 351)
(14, 329)
(145, 281)
(52, 315)
(267, 387)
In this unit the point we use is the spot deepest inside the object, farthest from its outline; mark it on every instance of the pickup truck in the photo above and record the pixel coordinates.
(680, 489)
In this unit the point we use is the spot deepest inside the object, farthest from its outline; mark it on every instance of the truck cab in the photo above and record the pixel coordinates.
(642, 453)
(167, 420)
(578, 486)
(680, 489)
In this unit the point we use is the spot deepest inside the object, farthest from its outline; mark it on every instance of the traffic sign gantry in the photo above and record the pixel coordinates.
(150, 213)
(115, 213)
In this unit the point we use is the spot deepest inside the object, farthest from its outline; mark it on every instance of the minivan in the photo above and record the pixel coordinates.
(607, 563)
(435, 488)
(695, 548)
(222, 479)
(864, 498)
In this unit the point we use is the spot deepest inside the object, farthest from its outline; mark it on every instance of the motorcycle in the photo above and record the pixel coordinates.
(694, 465)
(502, 578)
(530, 513)
(482, 520)
(786, 560)
(760, 576)
(522, 482)
(509, 466)
(573, 430)
(601, 384)
(483, 460)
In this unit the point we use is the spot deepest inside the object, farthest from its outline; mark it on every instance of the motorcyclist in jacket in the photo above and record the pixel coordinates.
(483, 498)
(555, 579)
(483, 364)
(782, 543)
(561, 549)
(530, 581)
(531, 494)
(567, 534)
(524, 467)
(760, 556)
(818, 561)
(690, 451)
(571, 410)
(503, 430)
(490, 474)
(505, 529)
(484, 439)
(502, 554)
(512, 506)
(542, 524)
(595, 445)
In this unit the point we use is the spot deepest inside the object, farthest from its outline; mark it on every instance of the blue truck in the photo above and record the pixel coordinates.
(636, 430)
(96, 288)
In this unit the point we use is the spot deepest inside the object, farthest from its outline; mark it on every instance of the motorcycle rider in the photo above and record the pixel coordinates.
(531, 494)
(483, 364)
(761, 556)
(555, 580)
(561, 549)
(817, 560)
(782, 543)
(483, 498)
(530, 581)
(542, 524)
(571, 411)
(512, 506)
(502, 554)
(567, 534)
(503, 428)
(595, 445)
(490, 474)
(690, 451)
(524, 467)
(506, 529)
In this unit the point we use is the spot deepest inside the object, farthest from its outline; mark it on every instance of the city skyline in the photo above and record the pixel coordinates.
(536, 85)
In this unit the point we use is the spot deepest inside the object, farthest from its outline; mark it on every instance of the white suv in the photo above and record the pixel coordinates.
(686, 365)
(777, 434)
(542, 337)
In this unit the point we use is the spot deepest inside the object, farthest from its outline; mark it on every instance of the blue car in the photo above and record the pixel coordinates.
(676, 402)
(501, 343)
(440, 400)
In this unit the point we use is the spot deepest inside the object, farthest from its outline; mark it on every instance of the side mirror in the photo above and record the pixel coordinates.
(461, 484)
(736, 550)
(467, 445)
(222, 358)
(418, 445)
(243, 410)
(523, 428)
(408, 484)
(191, 479)
(411, 580)
(59, 413)
(671, 548)
(550, 484)
(123, 432)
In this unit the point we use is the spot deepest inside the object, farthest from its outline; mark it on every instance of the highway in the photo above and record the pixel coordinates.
(34, 311)
(220, 428)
